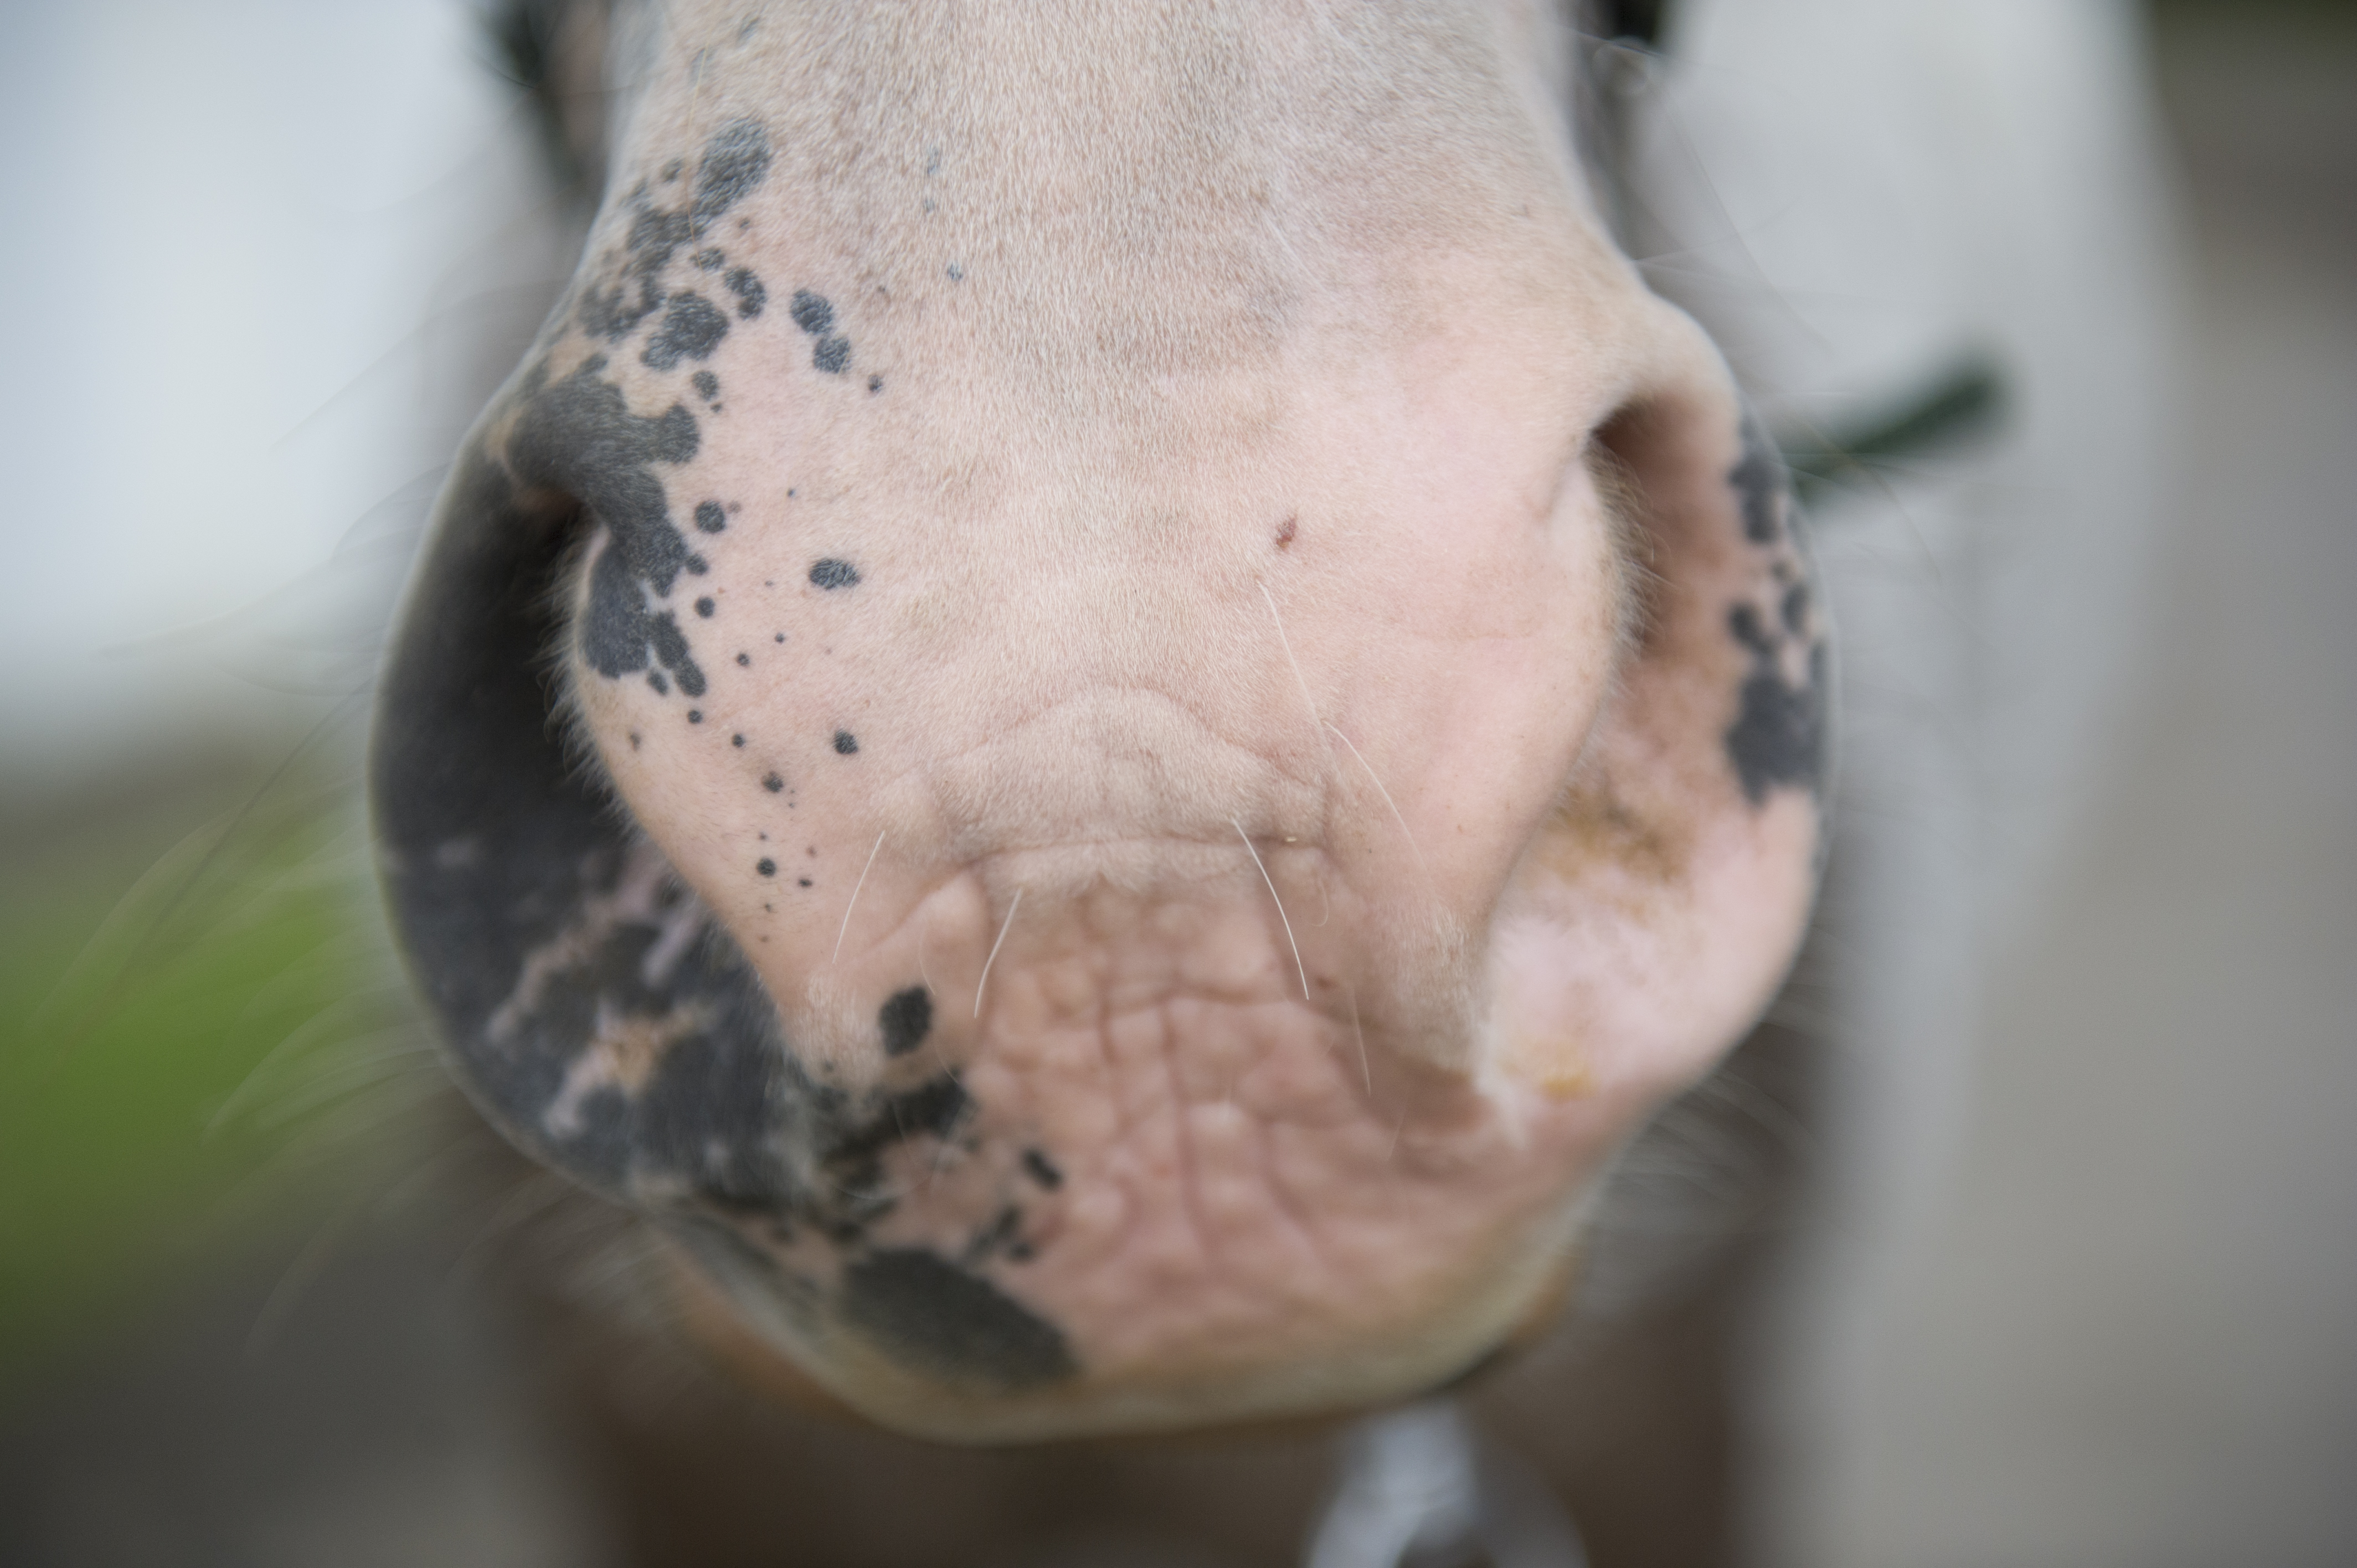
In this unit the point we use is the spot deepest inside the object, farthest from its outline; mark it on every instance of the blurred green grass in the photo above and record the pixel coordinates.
(202, 1037)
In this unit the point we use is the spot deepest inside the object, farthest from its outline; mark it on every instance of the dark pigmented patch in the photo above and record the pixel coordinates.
(831, 355)
(744, 661)
(937, 1317)
(772, 783)
(704, 606)
(846, 743)
(906, 1020)
(811, 312)
(736, 740)
(710, 517)
(579, 438)
(875, 384)
(1286, 531)
(1760, 482)
(957, 273)
(710, 259)
(734, 161)
(692, 328)
(750, 291)
(695, 716)
(1041, 1169)
(1779, 733)
(706, 385)
(801, 882)
(832, 574)
(766, 866)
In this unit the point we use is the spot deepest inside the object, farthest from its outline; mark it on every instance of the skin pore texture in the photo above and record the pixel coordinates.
(1185, 705)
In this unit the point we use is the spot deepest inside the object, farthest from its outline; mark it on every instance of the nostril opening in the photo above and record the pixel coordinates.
(1615, 457)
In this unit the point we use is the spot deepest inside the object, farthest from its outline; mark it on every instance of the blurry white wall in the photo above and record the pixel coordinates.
(260, 255)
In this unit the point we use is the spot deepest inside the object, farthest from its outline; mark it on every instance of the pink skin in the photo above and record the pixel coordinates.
(1354, 869)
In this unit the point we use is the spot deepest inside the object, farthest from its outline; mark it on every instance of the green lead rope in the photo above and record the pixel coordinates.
(1965, 403)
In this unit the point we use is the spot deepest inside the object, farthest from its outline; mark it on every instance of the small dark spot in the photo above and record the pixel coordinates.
(695, 716)
(661, 686)
(789, 493)
(710, 259)
(634, 740)
(805, 881)
(812, 313)
(957, 273)
(834, 573)
(906, 1020)
(769, 908)
(1796, 609)
(844, 744)
(1286, 530)
(698, 565)
(743, 661)
(672, 170)
(750, 291)
(1004, 1231)
(736, 740)
(704, 606)
(1041, 1169)
(780, 637)
(1743, 625)
(876, 383)
(766, 866)
(710, 517)
(831, 355)
(773, 783)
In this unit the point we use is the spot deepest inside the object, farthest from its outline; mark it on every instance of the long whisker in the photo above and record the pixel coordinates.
(1373, 777)
(1366, 1071)
(978, 984)
(1298, 967)
(1287, 643)
(855, 886)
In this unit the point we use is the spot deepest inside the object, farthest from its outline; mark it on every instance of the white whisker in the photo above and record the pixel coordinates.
(1287, 643)
(978, 984)
(1298, 967)
(1372, 777)
(855, 886)
(1366, 1071)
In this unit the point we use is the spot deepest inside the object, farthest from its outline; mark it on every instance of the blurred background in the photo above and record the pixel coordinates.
(268, 257)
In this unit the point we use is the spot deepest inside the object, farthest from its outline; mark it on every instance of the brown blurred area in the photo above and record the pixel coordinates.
(2125, 1339)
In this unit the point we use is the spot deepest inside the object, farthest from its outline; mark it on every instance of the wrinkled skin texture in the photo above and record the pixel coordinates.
(1187, 706)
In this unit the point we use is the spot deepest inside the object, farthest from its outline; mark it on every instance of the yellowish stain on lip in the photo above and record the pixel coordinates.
(1563, 1080)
